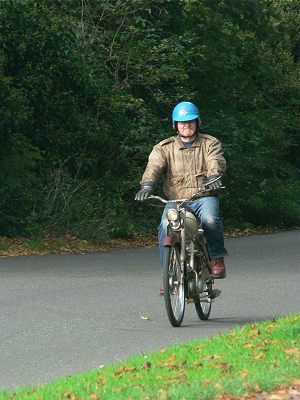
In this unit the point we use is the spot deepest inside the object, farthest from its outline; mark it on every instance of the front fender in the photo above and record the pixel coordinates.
(171, 240)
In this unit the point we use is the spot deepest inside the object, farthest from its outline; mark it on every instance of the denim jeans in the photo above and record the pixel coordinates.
(206, 210)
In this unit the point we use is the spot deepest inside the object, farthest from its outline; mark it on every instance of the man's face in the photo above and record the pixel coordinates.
(186, 128)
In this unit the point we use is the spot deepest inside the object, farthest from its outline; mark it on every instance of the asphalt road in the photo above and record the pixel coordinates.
(65, 314)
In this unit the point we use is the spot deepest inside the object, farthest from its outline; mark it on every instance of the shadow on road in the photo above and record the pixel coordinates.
(231, 322)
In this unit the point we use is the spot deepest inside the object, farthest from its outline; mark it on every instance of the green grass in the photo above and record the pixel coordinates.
(246, 360)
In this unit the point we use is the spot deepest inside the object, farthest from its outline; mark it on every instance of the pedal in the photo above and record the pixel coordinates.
(215, 293)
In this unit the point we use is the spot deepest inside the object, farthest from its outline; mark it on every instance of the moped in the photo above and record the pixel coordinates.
(186, 265)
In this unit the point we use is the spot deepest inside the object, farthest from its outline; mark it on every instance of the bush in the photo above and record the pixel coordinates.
(87, 89)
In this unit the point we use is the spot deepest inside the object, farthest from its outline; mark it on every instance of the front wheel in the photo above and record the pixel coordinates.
(173, 281)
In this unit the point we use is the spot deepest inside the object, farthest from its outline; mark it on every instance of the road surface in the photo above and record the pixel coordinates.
(65, 314)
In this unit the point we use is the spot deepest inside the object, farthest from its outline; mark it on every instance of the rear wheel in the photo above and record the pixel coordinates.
(203, 301)
(203, 304)
(173, 286)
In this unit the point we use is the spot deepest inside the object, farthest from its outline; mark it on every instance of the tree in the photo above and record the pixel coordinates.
(88, 88)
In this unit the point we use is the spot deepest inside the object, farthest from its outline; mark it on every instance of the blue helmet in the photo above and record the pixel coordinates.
(185, 111)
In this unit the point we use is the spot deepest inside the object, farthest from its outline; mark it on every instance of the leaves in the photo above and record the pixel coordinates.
(119, 373)
(94, 396)
(293, 351)
(224, 366)
(95, 93)
(210, 357)
(147, 365)
(145, 318)
(68, 395)
(258, 356)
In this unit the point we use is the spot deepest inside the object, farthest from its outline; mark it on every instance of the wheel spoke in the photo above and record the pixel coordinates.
(204, 302)
(174, 290)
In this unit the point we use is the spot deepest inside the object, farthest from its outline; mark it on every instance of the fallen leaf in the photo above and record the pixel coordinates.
(294, 390)
(206, 382)
(257, 388)
(258, 356)
(129, 369)
(275, 341)
(223, 365)
(244, 373)
(292, 351)
(199, 349)
(147, 365)
(178, 378)
(68, 395)
(232, 397)
(145, 318)
(171, 362)
(253, 333)
(94, 396)
(249, 345)
(120, 371)
(163, 395)
(102, 379)
(281, 391)
(170, 365)
(211, 357)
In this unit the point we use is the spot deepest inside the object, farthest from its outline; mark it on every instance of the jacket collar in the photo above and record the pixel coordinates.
(180, 145)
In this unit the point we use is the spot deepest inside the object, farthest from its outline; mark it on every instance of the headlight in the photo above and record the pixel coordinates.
(172, 215)
(174, 219)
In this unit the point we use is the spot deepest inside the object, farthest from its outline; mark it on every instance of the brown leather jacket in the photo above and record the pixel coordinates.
(184, 169)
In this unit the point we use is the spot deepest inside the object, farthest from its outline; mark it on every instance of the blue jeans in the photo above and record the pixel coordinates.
(206, 210)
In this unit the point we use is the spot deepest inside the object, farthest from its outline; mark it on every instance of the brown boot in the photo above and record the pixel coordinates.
(218, 270)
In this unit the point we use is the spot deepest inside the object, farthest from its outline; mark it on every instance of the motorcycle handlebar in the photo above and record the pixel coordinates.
(165, 201)
(202, 191)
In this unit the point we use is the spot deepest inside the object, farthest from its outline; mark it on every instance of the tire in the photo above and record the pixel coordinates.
(173, 281)
(203, 302)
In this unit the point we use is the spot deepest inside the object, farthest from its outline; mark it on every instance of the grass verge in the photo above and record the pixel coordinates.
(256, 358)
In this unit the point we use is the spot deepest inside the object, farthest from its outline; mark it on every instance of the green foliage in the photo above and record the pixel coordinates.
(87, 89)
(19, 185)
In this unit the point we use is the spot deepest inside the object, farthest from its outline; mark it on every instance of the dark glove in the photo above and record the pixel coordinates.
(147, 188)
(216, 184)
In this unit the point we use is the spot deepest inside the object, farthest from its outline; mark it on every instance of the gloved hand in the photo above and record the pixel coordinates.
(214, 185)
(147, 188)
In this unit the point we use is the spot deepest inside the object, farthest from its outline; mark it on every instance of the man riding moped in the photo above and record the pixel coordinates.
(187, 161)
